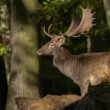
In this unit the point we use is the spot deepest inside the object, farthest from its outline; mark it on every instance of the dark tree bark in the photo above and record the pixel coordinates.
(3, 85)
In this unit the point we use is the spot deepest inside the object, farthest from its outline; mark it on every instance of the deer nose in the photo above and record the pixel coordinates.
(39, 52)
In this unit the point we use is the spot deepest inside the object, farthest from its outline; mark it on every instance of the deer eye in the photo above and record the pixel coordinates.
(51, 45)
(61, 40)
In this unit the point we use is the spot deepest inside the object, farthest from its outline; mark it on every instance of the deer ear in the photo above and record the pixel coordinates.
(61, 41)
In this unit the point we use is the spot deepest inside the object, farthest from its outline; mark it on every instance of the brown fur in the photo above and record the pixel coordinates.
(85, 69)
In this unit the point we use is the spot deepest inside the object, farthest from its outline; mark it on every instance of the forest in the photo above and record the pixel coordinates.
(25, 74)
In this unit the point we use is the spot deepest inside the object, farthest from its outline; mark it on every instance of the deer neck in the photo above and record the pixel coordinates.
(62, 60)
(66, 63)
(61, 55)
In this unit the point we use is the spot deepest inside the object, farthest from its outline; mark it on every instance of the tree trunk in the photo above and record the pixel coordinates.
(49, 102)
(107, 10)
(24, 61)
(96, 44)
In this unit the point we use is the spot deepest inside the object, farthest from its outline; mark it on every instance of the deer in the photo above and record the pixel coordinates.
(86, 69)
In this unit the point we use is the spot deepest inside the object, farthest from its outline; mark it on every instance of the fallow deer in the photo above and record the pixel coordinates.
(85, 70)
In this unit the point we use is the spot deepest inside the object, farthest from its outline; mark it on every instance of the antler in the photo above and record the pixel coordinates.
(48, 34)
(83, 26)
(77, 26)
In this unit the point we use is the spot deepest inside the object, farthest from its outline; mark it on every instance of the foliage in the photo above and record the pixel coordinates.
(4, 28)
(4, 45)
(3, 49)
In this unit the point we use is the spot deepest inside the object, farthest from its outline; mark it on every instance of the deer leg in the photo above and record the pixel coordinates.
(28, 108)
(84, 88)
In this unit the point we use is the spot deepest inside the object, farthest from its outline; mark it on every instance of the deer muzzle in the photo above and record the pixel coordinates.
(39, 52)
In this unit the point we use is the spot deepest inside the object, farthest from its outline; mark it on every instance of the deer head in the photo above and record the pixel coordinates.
(78, 26)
